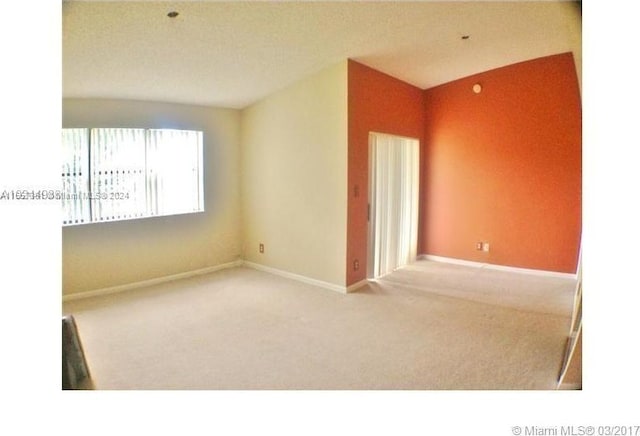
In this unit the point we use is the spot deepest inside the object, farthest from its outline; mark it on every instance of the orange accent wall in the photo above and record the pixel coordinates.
(504, 166)
(380, 103)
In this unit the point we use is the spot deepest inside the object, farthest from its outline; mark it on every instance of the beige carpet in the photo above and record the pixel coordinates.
(427, 326)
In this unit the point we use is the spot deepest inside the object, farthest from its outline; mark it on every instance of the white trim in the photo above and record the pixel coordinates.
(144, 283)
(357, 285)
(297, 277)
(571, 348)
(514, 269)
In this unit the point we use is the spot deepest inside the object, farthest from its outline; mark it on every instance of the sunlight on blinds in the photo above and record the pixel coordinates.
(174, 168)
(117, 174)
(112, 174)
(75, 176)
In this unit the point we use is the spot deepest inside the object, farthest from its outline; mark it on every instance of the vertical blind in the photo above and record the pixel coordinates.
(174, 182)
(394, 185)
(75, 176)
(116, 174)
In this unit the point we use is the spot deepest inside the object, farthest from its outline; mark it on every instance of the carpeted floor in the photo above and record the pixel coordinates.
(427, 326)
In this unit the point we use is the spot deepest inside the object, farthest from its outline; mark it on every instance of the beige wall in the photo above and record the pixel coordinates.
(294, 168)
(102, 255)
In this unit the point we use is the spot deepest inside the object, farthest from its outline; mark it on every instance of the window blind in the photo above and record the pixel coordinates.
(120, 173)
(75, 176)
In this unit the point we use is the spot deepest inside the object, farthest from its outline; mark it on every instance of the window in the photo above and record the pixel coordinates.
(119, 174)
(75, 176)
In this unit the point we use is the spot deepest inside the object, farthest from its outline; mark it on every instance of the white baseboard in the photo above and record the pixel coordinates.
(211, 269)
(497, 267)
(357, 285)
(298, 277)
(144, 283)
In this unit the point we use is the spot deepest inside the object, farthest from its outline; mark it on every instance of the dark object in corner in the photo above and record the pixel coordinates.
(75, 372)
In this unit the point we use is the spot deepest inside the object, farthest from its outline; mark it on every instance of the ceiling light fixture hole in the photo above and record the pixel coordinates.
(172, 14)
(465, 37)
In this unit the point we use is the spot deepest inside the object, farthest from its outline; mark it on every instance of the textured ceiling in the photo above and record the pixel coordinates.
(231, 54)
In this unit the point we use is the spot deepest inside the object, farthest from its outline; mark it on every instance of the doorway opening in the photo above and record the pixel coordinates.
(393, 202)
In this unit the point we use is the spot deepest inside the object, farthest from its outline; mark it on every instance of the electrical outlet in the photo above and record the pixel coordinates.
(485, 246)
(356, 265)
(261, 248)
(479, 246)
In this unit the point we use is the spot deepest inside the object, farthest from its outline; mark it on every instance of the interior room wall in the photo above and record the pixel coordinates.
(294, 166)
(377, 103)
(504, 166)
(291, 172)
(101, 255)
